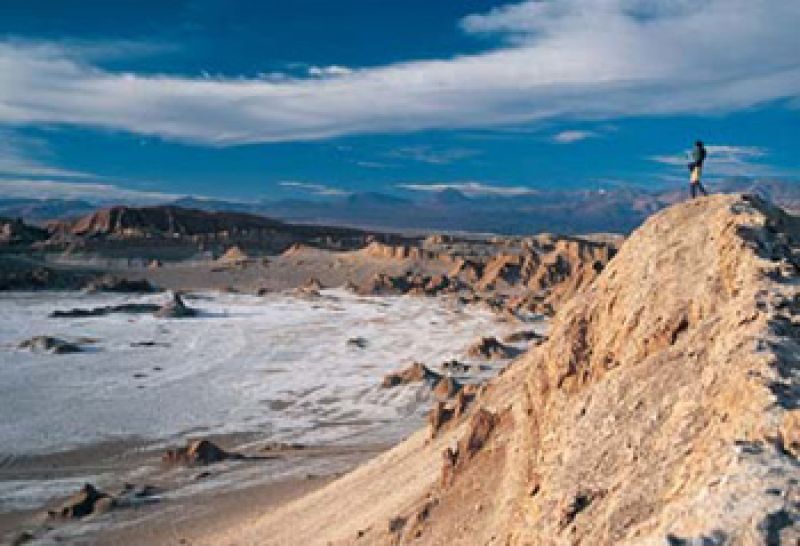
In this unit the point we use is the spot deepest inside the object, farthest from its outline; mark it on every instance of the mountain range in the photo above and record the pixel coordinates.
(618, 209)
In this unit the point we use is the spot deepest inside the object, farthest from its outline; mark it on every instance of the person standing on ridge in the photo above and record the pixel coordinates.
(696, 169)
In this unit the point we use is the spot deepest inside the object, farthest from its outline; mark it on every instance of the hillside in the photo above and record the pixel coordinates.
(661, 410)
(122, 221)
(174, 233)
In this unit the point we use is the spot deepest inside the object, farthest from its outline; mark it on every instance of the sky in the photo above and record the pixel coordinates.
(149, 100)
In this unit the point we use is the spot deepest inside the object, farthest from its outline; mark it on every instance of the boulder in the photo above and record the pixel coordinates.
(357, 342)
(490, 348)
(198, 452)
(48, 344)
(524, 335)
(416, 373)
(234, 255)
(175, 308)
(81, 504)
(455, 366)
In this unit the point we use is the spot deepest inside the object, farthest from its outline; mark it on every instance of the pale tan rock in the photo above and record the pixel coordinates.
(658, 411)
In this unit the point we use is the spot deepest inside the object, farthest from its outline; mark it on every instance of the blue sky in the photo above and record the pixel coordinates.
(146, 100)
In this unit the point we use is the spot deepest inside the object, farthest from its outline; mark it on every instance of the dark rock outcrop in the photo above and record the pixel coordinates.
(175, 308)
(524, 335)
(48, 344)
(81, 504)
(132, 308)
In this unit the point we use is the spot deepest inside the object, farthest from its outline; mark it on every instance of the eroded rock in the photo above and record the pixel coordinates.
(175, 308)
(415, 373)
(49, 344)
(81, 504)
(491, 349)
(198, 452)
(129, 308)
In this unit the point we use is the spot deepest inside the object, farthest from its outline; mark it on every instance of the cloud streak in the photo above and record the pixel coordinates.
(472, 189)
(313, 188)
(727, 160)
(87, 191)
(576, 59)
(570, 136)
(432, 156)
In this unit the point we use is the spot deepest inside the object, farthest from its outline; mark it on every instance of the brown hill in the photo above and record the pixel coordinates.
(122, 221)
(662, 410)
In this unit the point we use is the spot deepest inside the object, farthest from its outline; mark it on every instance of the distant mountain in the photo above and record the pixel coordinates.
(448, 197)
(375, 199)
(41, 210)
(214, 205)
(616, 209)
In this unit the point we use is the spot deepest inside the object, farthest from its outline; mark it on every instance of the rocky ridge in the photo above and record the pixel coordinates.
(662, 409)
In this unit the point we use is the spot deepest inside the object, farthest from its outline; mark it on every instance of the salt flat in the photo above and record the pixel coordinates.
(278, 366)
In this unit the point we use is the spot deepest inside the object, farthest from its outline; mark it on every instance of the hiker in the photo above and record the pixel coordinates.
(696, 169)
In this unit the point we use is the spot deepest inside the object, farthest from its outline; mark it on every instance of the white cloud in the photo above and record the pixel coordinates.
(87, 191)
(313, 188)
(472, 189)
(727, 160)
(570, 136)
(328, 71)
(432, 156)
(576, 59)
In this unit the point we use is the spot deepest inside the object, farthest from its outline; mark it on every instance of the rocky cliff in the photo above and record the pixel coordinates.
(122, 221)
(662, 410)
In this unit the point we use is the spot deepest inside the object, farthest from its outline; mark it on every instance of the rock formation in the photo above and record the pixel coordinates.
(129, 222)
(175, 308)
(48, 344)
(198, 452)
(130, 308)
(415, 373)
(234, 256)
(662, 409)
(490, 348)
(87, 501)
(524, 335)
(90, 501)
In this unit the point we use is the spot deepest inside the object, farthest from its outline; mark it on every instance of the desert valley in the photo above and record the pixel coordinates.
(383, 273)
(173, 375)
(292, 352)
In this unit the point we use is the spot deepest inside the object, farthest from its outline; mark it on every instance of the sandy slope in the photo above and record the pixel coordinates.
(662, 410)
